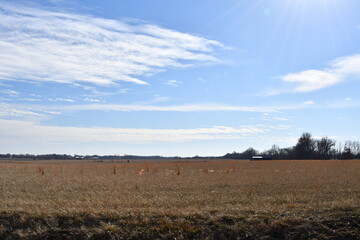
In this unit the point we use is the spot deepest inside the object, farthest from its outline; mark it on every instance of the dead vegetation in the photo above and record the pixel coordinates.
(215, 200)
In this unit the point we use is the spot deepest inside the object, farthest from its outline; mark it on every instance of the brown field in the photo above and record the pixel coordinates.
(212, 199)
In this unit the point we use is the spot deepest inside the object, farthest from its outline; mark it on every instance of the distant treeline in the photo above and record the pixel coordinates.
(306, 148)
(77, 157)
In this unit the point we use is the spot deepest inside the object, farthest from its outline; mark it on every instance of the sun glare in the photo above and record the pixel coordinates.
(310, 5)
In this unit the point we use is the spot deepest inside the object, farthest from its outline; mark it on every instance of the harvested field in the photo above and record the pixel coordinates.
(213, 199)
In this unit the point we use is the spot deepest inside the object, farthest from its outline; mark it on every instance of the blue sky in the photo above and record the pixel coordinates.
(176, 78)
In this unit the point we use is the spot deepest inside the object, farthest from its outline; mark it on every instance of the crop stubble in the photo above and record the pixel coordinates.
(179, 189)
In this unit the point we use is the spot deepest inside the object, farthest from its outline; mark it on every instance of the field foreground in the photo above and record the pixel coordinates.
(182, 200)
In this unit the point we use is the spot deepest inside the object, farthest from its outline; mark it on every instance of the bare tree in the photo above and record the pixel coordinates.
(324, 147)
(351, 150)
(305, 148)
(248, 153)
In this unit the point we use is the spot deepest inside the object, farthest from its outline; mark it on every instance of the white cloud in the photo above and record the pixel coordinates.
(312, 80)
(39, 44)
(22, 132)
(339, 70)
(174, 83)
(349, 65)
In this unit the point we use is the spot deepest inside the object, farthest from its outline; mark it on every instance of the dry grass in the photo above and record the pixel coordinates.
(180, 190)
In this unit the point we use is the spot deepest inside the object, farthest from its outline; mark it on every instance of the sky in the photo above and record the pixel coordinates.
(176, 78)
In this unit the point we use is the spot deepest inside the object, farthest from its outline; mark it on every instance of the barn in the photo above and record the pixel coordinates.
(261, 157)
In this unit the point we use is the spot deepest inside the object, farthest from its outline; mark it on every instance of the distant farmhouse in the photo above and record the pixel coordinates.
(261, 157)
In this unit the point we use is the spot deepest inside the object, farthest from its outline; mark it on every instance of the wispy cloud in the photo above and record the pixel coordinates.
(206, 107)
(309, 102)
(157, 108)
(9, 92)
(26, 111)
(7, 110)
(339, 70)
(94, 100)
(174, 83)
(61, 100)
(4, 84)
(200, 79)
(39, 44)
(281, 119)
(27, 131)
(31, 99)
(39, 110)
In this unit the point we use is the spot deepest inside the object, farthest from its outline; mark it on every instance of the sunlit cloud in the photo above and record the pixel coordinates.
(346, 66)
(312, 80)
(39, 45)
(339, 70)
